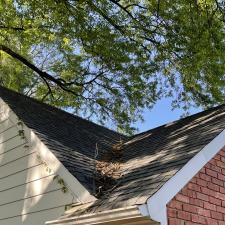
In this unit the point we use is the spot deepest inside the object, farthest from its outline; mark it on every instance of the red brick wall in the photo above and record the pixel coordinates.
(202, 200)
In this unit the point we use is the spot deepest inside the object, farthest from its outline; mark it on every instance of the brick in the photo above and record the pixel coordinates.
(182, 198)
(207, 191)
(171, 212)
(223, 171)
(211, 221)
(217, 215)
(220, 164)
(220, 196)
(205, 177)
(222, 159)
(189, 193)
(204, 212)
(223, 203)
(193, 187)
(202, 200)
(221, 177)
(217, 157)
(175, 204)
(213, 187)
(198, 219)
(184, 215)
(209, 206)
(222, 153)
(213, 161)
(216, 168)
(202, 196)
(211, 173)
(218, 182)
(203, 169)
(220, 209)
(191, 223)
(201, 182)
(194, 179)
(190, 208)
(222, 190)
(196, 202)
(215, 201)
(174, 221)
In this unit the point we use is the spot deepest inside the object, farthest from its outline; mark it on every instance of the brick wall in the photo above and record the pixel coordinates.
(202, 200)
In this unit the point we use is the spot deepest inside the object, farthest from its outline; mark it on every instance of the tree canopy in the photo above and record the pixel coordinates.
(109, 59)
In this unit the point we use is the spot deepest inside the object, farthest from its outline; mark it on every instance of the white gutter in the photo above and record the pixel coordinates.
(115, 215)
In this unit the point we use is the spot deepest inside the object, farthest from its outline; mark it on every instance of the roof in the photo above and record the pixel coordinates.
(72, 139)
(151, 158)
(145, 163)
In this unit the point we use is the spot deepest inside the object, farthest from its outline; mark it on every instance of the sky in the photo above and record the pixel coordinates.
(160, 114)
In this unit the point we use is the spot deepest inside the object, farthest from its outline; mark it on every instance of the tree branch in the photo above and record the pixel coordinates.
(2, 26)
(30, 65)
(123, 8)
(12, 28)
(137, 5)
(45, 76)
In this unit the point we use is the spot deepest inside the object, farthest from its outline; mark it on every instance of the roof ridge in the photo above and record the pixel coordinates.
(60, 110)
(178, 120)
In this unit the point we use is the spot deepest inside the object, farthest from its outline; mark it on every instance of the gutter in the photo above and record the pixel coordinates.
(128, 215)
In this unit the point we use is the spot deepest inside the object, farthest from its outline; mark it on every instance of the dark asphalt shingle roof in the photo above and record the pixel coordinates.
(153, 157)
(148, 159)
(72, 139)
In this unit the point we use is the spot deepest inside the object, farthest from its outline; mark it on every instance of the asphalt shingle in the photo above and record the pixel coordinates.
(72, 139)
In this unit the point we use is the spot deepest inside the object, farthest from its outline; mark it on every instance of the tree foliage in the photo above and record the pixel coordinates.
(109, 59)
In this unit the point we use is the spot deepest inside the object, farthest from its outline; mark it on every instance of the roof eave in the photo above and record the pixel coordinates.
(122, 216)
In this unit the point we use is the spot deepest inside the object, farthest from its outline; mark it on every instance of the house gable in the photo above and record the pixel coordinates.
(70, 138)
(202, 200)
(157, 203)
(34, 185)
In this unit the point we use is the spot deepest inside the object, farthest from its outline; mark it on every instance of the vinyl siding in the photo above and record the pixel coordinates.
(28, 193)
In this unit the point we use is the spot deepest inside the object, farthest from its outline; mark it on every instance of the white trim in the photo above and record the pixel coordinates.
(144, 210)
(157, 203)
(79, 191)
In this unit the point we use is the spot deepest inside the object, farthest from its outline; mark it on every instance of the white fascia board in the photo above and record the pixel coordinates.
(76, 188)
(157, 203)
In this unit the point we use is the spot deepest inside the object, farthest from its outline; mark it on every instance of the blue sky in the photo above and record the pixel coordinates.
(160, 114)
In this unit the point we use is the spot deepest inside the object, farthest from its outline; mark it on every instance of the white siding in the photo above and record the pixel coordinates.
(28, 193)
